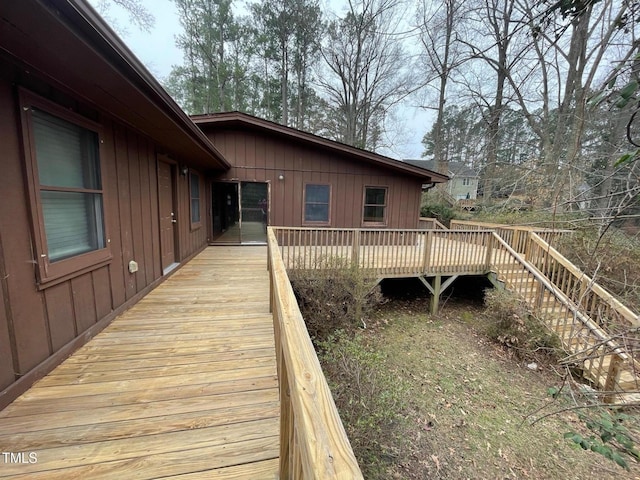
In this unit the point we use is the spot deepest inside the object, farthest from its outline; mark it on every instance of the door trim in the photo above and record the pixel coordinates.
(173, 168)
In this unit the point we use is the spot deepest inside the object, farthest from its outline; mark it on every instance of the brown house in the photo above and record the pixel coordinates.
(102, 184)
(107, 185)
(304, 180)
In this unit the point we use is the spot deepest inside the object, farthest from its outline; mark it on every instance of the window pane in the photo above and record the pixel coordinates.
(317, 194)
(67, 154)
(316, 213)
(195, 185)
(374, 214)
(316, 208)
(73, 223)
(195, 210)
(374, 196)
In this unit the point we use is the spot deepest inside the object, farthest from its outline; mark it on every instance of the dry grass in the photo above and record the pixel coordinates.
(467, 401)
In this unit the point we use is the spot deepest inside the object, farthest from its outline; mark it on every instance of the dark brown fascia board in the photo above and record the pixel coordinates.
(108, 45)
(243, 119)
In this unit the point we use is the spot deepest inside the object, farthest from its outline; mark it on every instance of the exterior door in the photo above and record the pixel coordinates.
(167, 215)
(254, 212)
(240, 212)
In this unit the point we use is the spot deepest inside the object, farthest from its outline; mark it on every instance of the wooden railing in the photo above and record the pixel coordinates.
(593, 299)
(517, 235)
(601, 359)
(427, 223)
(313, 442)
(387, 252)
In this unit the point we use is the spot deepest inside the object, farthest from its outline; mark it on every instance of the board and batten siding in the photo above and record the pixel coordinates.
(41, 324)
(260, 157)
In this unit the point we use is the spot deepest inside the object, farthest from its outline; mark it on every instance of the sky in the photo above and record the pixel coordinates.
(158, 52)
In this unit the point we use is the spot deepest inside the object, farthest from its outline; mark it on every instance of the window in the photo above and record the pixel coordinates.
(65, 184)
(466, 181)
(316, 203)
(375, 205)
(194, 187)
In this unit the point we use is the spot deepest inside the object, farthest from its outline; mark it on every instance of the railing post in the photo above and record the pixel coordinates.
(539, 296)
(428, 241)
(613, 376)
(516, 240)
(527, 246)
(355, 248)
(489, 252)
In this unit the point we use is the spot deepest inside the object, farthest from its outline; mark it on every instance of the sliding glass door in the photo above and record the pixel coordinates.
(240, 212)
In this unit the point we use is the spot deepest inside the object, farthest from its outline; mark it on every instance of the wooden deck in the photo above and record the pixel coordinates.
(182, 385)
(574, 307)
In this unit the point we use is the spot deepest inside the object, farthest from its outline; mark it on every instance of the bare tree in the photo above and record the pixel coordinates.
(440, 56)
(497, 50)
(574, 48)
(366, 70)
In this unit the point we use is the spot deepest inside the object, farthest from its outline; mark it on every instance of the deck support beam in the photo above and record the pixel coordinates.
(437, 289)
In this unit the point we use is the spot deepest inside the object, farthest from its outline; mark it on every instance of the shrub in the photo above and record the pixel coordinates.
(333, 295)
(369, 398)
(440, 211)
(512, 325)
(609, 436)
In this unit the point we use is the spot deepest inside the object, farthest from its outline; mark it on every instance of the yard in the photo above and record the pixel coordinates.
(463, 401)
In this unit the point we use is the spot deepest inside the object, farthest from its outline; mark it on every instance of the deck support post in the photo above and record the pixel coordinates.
(435, 299)
(436, 289)
(493, 278)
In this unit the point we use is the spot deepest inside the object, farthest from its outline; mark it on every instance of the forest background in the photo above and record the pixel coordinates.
(539, 98)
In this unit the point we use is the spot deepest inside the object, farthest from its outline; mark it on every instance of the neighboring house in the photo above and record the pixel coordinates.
(106, 183)
(463, 180)
(309, 181)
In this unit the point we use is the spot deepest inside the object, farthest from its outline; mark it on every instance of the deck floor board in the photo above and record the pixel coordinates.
(182, 385)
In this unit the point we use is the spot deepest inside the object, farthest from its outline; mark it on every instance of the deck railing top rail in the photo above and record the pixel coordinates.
(313, 442)
(470, 224)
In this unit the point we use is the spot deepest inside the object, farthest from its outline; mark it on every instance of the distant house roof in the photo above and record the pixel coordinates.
(245, 121)
(456, 169)
(71, 45)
